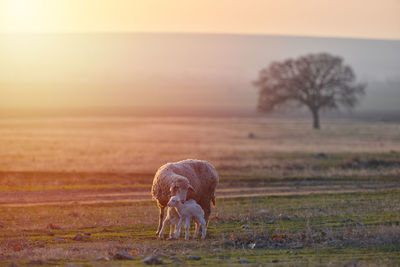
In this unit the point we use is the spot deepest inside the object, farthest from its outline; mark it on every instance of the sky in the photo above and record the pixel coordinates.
(38, 69)
(378, 19)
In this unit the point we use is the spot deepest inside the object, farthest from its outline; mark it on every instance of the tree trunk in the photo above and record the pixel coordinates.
(315, 118)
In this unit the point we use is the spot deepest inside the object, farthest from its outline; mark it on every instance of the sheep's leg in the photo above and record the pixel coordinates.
(196, 232)
(160, 219)
(207, 212)
(203, 228)
(164, 224)
(187, 226)
(178, 228)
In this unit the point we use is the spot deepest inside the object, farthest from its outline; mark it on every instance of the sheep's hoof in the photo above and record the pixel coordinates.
(171, 238)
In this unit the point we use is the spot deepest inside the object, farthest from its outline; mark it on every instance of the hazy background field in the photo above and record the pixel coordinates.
(120, 155)
(142, 144)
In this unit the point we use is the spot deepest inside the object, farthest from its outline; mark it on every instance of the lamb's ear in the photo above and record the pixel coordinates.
(190, 188)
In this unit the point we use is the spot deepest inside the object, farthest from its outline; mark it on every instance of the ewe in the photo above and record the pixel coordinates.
(188, 179)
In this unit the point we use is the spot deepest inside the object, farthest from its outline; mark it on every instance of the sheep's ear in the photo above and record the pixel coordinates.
(190, 188)
(173, 189)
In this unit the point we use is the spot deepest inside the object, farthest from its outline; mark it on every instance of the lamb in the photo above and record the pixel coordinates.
(188, 179)
(172, 218)
(188, 210)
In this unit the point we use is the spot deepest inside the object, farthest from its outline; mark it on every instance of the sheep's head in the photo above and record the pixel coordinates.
(180, 188)
(174, 201)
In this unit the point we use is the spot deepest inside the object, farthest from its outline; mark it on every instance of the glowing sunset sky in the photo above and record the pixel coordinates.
(339, 18)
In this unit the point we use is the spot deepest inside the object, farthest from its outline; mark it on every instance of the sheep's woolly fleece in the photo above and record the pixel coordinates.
(200, 174)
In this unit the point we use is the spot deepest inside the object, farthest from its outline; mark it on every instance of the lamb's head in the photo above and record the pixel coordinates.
(174, 201)
(179, 188)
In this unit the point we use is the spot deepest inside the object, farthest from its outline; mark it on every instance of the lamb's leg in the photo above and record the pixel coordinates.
(164, 224)
(178, 231)
(203, 228)
(187, 226)
(178, 228)
(172, 229)
(160, 219)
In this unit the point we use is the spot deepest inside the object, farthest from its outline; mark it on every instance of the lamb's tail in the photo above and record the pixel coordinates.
(213, 201)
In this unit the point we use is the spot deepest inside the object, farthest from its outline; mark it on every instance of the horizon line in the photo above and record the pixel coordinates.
(195, 33)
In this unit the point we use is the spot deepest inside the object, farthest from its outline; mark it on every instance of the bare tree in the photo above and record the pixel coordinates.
(317, 81)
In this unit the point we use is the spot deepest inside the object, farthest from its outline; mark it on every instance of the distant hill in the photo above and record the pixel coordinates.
(185, 72)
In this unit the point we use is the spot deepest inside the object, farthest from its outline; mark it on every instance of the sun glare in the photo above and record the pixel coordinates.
(19, 15)
(373, 19)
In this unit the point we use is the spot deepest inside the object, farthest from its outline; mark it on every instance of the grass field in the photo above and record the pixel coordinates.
(288, 196)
